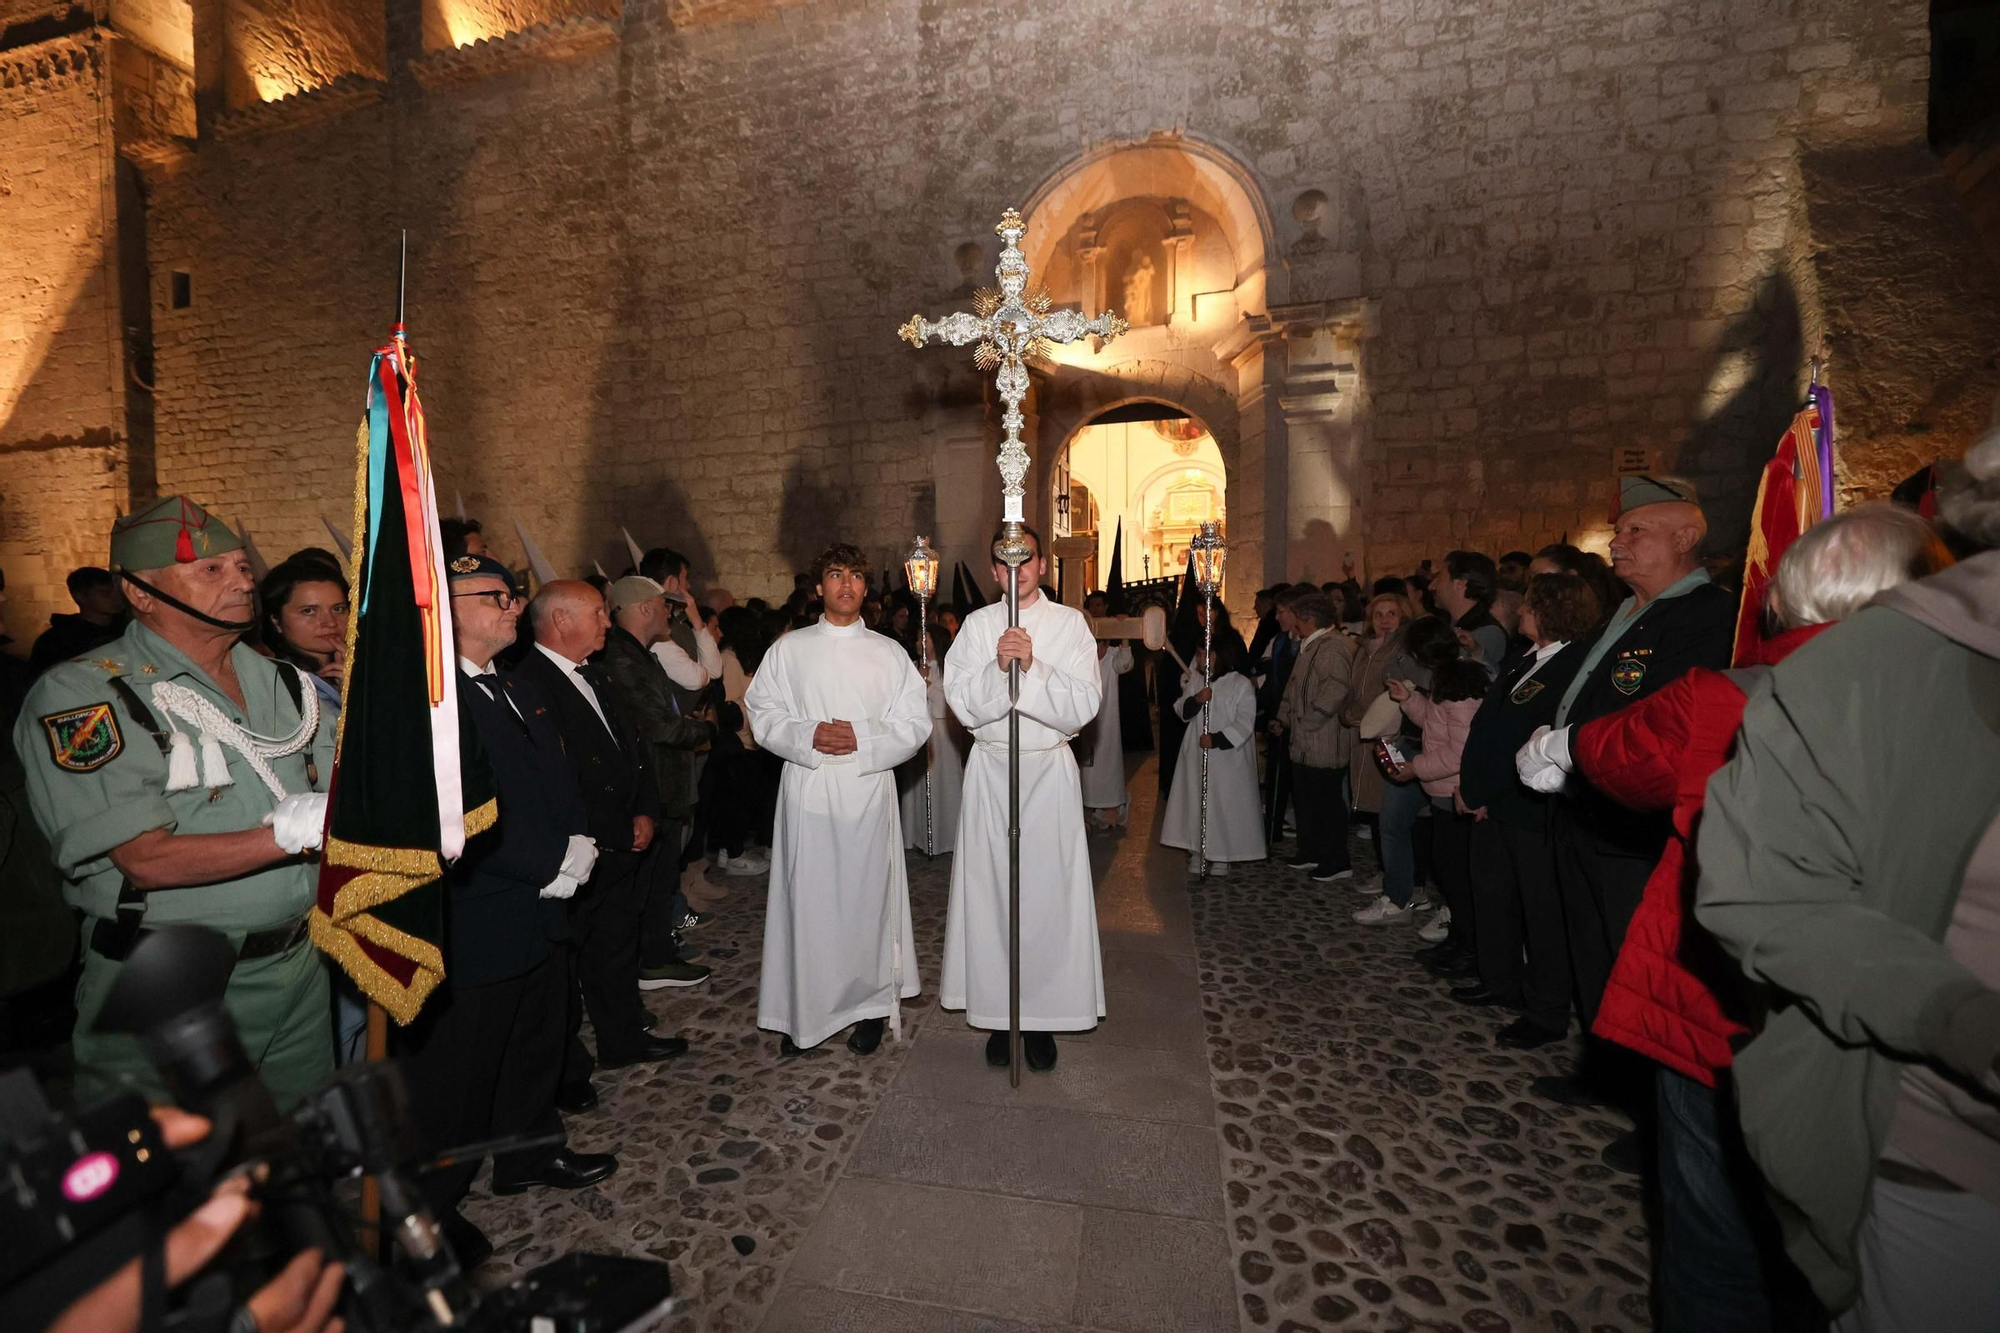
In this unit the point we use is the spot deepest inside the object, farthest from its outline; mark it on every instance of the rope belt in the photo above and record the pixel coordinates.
(181, 704)
(1000, 747)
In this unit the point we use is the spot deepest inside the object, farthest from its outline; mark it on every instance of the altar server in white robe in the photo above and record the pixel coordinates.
(842, 707)
(946, 750)
(1062, 974)
(1235, 806)
(1102, 764)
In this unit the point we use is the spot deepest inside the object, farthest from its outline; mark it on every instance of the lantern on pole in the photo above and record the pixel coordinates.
(1207, 552)
(920, 571)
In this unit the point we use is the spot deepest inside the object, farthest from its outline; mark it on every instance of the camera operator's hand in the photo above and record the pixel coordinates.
(113, 1306)
(300, 1299)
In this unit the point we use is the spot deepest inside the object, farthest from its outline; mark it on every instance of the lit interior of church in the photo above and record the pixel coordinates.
(1312, 360)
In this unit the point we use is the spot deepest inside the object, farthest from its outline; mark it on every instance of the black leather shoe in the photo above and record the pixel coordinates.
(1482, 994)
(468, 1243)
(1525, 1035)
(789, 1048)
(566, 1170)
(577, 1097)
(650, 1048)
(996, 1050)
(867, 1035)
(1566, 1090)
(1038, 1049)
(1624, 1153)
(1454, 969)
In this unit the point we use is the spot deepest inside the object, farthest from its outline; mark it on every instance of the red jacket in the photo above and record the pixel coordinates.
(1673, 995)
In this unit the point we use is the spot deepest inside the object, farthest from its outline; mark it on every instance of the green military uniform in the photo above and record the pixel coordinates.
(98, 777)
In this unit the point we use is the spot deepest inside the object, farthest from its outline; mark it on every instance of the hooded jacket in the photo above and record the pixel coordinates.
(1833, 849)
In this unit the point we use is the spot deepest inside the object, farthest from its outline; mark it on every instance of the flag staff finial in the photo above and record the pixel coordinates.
(402, 278)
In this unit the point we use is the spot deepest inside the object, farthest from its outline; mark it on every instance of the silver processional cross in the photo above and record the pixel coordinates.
(1012, 327)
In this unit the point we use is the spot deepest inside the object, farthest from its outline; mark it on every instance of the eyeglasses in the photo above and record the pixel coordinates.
(501, 600)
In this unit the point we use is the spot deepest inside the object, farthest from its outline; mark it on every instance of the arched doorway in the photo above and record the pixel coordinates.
(1128, 491)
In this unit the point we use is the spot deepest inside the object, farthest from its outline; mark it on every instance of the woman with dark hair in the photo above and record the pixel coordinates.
(304, 621)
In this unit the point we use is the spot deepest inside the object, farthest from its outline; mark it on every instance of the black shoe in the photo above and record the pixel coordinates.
(577, 1097)
(1624, 1153)
(650, 1048)
(789, 1048)
(1525, 1035)
(996, 1050)
(867, 1035)
(1566, 1090)
(468, 1243)
(1039, 1050)
(1454, 969)
(1482, 994)
(566, 1170)
(1306, 863)
(1437, 953)
(679, 973)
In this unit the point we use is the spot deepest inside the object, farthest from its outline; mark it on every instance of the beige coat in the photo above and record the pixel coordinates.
(1371, 674)
(1310, 709)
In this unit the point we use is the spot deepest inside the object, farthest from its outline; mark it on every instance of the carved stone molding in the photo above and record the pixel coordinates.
(567, 39)
(347, 93)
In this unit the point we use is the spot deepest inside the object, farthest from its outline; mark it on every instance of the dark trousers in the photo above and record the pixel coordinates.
(1515, 900)
(481, 1063)
(1722, 1267)
(1283, 784)
(1451, 862)
(729, 799)
(604, 920)
(1600, 891)
(660, 881)
(1320, 795)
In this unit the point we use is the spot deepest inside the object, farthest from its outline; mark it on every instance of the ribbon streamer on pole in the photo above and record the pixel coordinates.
(1012, 327)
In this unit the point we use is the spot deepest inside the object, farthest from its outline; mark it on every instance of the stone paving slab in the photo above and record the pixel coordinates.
(805, 1309)
(1141, 1274)
(1098, 1077)
(1042, 1153)
(986, 1253)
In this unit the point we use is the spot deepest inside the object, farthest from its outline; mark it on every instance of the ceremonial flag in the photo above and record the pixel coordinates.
(1795, 492)
(1918, 491)
(408, 786)
(1114, 579)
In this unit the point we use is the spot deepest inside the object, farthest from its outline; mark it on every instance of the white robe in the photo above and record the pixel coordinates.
(1062, 973)
(1104, 776)
(838, 943)
(946, 749)
(1235, 807)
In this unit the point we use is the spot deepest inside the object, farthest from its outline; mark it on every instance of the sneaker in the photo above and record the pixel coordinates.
(1329, 876)
(672, 974)
(1437, 928)
(1367, 886)
(693, 921)
(1365, 833)
(1382, 912)
(1426, 900)
(750, 863)
(1307, 864)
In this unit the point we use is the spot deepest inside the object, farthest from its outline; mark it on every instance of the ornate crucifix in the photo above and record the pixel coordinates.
(1012, 326)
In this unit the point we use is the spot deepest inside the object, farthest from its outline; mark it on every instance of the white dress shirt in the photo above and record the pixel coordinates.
(583, 686)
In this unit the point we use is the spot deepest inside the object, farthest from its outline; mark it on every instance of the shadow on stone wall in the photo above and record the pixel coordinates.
(1753, 387)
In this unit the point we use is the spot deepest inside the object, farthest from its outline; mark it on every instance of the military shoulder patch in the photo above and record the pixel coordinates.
(1627, 675)
(83, 740)
(1526, 690)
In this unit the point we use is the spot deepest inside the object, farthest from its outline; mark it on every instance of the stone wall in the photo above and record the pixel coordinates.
(62, 390)
(657, 262)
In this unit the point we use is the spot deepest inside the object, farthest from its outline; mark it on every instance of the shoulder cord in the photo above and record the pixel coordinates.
(217, 730)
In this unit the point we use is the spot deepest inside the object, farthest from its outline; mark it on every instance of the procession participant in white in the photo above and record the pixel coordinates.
(1062, 975)
(1235, 809)
(842, 707)
(946, 778)
(1101, 763)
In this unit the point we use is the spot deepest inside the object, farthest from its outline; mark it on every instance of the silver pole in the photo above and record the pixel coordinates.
(402, 276)
(1012, 551)
(1208, 679)
(924, 650)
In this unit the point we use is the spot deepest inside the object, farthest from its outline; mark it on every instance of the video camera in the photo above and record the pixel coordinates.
(82, 1196)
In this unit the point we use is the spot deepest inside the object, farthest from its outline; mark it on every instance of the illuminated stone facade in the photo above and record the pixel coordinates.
(1418, 267)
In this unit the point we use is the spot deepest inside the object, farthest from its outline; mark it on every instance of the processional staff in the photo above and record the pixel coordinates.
(920, 570)
(1012, 327)
(1208, 551)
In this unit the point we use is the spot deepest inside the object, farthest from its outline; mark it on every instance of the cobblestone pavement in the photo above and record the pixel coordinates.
(1382, 1163)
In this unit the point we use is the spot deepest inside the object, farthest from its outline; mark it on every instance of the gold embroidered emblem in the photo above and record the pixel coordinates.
(149, 670)
(465, 564)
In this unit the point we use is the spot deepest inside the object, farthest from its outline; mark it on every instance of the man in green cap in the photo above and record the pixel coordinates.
(179, 777)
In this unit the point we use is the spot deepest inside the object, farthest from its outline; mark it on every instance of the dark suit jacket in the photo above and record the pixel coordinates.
(610, 766)
(1507, 716)
(497, 925)
(1669, 639)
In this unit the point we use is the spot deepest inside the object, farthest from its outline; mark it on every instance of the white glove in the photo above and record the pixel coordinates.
(579, 859)
(562, 886)
(1544, 763)
(299, 822)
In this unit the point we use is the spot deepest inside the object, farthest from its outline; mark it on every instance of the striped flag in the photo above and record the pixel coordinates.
(1795, 492)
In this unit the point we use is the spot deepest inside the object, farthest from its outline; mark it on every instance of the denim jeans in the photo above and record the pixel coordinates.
(1716, 1242)
(1401, 803)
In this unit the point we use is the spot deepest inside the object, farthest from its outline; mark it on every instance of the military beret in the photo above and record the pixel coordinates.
(1635, 491)
(479, 567)
(173, 530)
